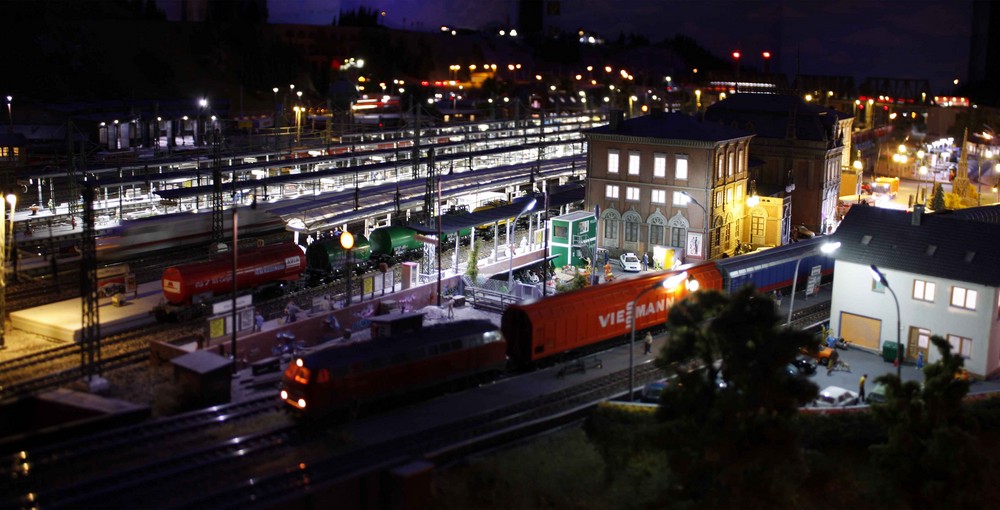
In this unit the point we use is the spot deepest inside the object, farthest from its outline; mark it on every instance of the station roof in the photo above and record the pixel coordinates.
(562, 195)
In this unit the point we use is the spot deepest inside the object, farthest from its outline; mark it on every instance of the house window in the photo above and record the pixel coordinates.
(659, 165)
(659, 196)
(611, 191)
(631, 232)
(720, 167)
(963, 298)
(633, 163)
(740, 166)
(923, 291)
(681, 200)
(611, 228)
(631, 193)
(612, 161)
(729, 196)
(731, 166)
(960, 345)
(681, 167)
(677, 236)
(656, 234)
(757, 226)
(878, 287)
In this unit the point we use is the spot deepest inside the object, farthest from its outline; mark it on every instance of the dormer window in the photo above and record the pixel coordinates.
(931, 248)
(865, 239)
(969, 255)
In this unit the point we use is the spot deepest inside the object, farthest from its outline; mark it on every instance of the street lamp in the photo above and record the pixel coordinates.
(510, 268)
(879, 277)
(669, 283)
(824, 248)
(6, 245)
(704, 222)
(347, 242)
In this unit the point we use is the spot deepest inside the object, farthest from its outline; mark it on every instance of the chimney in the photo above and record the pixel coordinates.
(616, 118)
(918, 215)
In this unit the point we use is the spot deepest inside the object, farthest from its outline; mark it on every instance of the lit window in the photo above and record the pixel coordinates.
(632, 193)
(680, 199)
(633, 163)
(611, 191)
(612, 161)
(729, 172)
(729, 196)
(659, 165)
(681, 170)
(963, 298)
(720, 167)
(960, 345)
(923, 291)
(659, 196)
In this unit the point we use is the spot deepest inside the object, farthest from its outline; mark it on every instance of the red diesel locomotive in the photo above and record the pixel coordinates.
(343, 377)
(539, 329)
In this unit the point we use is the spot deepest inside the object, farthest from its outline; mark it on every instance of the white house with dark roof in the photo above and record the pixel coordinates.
(944, 270)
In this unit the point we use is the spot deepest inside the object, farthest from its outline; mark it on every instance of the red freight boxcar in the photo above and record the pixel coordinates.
(199, 281)
(542, 328)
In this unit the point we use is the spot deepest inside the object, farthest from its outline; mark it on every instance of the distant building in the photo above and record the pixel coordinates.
(655, 177)
(944, 270)
(803, 146)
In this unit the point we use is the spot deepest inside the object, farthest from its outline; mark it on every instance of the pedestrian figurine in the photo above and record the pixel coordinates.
(861, 387)
(451, 308)
(831, 362)
(920, 361)
(648, 344)
(332, 322)
(292, 312)
(645, 261)
(606, 257)
(258, 321)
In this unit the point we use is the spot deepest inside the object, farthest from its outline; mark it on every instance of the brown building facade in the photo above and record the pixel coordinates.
(668, 183)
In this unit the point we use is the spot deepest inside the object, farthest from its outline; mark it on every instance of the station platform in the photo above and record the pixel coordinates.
(62, 320)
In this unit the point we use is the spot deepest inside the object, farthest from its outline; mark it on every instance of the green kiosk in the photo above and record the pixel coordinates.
(572, 239)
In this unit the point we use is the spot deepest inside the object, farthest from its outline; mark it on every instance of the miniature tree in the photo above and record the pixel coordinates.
(937, 201)
(472, 268)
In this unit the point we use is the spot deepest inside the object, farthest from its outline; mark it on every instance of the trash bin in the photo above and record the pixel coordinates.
(889, 351)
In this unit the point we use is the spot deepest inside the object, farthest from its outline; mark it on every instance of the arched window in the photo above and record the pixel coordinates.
(612, 220)
(657, 223)
(679, 226)
(632, 221)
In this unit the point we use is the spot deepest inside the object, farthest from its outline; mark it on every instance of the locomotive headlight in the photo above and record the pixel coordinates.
(284, 395)
(302, 403)
(298, 362)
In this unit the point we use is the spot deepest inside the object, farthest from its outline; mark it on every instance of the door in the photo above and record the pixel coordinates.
(860, 330)
(919, 340)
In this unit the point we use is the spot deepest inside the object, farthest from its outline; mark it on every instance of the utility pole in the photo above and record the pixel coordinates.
(90, 334)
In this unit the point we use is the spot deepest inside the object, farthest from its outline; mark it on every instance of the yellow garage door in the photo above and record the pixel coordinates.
(861, 331)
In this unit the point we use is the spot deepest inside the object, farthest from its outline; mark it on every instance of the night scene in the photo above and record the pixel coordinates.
(501, 254)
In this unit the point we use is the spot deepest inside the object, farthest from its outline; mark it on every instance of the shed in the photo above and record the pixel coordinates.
(396, 324)
(203, 377)
(573, 238)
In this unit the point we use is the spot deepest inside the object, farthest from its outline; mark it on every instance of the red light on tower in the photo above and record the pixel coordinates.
(736, 55)
(767, 54)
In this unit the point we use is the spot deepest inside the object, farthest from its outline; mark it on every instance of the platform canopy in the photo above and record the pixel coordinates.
(451, 223)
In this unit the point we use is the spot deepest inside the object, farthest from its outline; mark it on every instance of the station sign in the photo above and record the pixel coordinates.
(226, 305)
(109, 271)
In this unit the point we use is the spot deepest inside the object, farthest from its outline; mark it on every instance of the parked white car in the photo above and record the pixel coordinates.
(835, 396)
(630, 262)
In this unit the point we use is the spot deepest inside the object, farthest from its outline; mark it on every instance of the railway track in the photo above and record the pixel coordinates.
(249, 470)
(61, 365)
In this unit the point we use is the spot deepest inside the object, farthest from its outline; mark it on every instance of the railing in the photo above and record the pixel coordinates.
(485, 299)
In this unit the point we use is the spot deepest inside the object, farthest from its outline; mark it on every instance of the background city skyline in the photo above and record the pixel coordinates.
(860, 38)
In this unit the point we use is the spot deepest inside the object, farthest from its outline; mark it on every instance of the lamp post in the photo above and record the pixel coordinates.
(878, 276)
(704, 241)
(232, 340)
(347, 242)
(824, 248)
(668, 283)
(510, 268)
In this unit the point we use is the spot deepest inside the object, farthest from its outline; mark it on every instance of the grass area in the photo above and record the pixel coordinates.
(566, 471)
